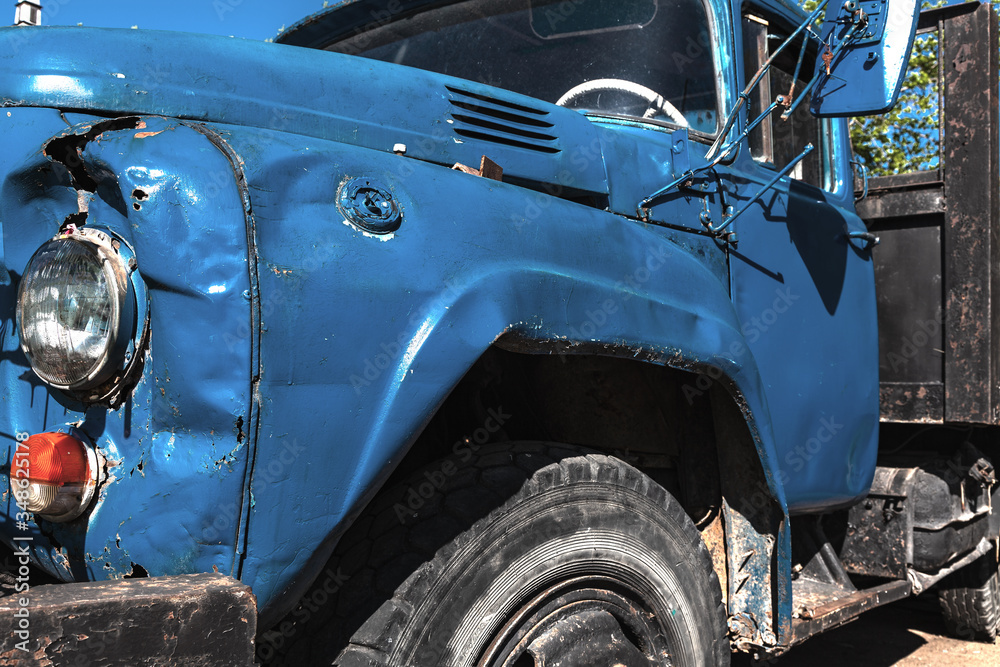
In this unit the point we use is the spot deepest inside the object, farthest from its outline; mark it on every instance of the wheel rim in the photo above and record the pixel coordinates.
(586, 620)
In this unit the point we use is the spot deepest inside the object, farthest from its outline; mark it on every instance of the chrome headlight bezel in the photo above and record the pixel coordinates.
(113, 262)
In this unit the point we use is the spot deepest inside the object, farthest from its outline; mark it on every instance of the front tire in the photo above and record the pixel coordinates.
(528, 555)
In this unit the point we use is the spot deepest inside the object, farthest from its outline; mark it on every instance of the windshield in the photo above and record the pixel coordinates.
(651, 60)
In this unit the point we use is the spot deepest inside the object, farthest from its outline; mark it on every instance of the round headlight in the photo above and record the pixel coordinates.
(75, 310)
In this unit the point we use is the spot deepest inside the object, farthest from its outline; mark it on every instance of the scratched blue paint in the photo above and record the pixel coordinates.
(175, 464)
(258, 436)
(512, 274)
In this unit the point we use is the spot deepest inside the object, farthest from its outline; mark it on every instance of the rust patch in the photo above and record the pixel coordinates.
(146, 135)
(714, 536)
(487, 169)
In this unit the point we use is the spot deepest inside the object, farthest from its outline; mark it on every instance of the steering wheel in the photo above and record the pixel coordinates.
(655, 101)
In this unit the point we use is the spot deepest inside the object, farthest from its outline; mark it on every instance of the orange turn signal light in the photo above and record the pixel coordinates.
(54, 475)
(57, 458)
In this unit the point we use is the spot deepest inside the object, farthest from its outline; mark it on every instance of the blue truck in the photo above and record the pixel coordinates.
(500, 332)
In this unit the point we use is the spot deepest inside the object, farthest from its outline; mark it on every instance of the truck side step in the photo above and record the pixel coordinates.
(818, 607)
(823, 595)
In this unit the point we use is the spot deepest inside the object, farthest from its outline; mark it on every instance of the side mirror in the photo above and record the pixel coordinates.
(865, 47)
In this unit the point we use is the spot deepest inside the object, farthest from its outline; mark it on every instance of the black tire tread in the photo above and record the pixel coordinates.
(502, 475)
(970, 601)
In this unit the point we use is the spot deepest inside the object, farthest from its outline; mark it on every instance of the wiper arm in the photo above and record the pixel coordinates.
(691, 173)
(717, 147)
(829, 56)
(777, 177)
(720, 151)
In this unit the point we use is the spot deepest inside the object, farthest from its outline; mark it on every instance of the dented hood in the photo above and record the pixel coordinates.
(291, 89)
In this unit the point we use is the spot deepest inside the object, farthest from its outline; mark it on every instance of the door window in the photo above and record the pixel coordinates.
(776, 142)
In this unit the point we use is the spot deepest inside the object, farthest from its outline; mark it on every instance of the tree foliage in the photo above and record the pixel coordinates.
(906, 138)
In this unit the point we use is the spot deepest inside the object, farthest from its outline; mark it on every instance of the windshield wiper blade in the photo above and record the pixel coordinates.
(719, 151)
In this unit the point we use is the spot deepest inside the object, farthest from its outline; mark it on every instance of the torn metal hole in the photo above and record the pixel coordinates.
(74, 220)
(68, 150)
(138, 572)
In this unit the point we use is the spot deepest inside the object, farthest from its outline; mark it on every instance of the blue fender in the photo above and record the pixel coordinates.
(364, 335)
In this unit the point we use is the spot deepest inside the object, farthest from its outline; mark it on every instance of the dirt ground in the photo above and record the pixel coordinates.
(909, 633)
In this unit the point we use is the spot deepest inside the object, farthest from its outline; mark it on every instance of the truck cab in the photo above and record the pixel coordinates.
(477, 332)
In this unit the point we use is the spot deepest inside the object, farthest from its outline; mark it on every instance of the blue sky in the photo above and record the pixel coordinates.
(255, 19)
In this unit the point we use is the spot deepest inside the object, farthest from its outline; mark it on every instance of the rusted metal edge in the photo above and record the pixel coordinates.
(929, 18)
(924, 199)
(912, 402)
(838, 612)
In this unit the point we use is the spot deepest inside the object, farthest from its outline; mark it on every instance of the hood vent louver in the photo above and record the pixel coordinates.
(485, 118)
